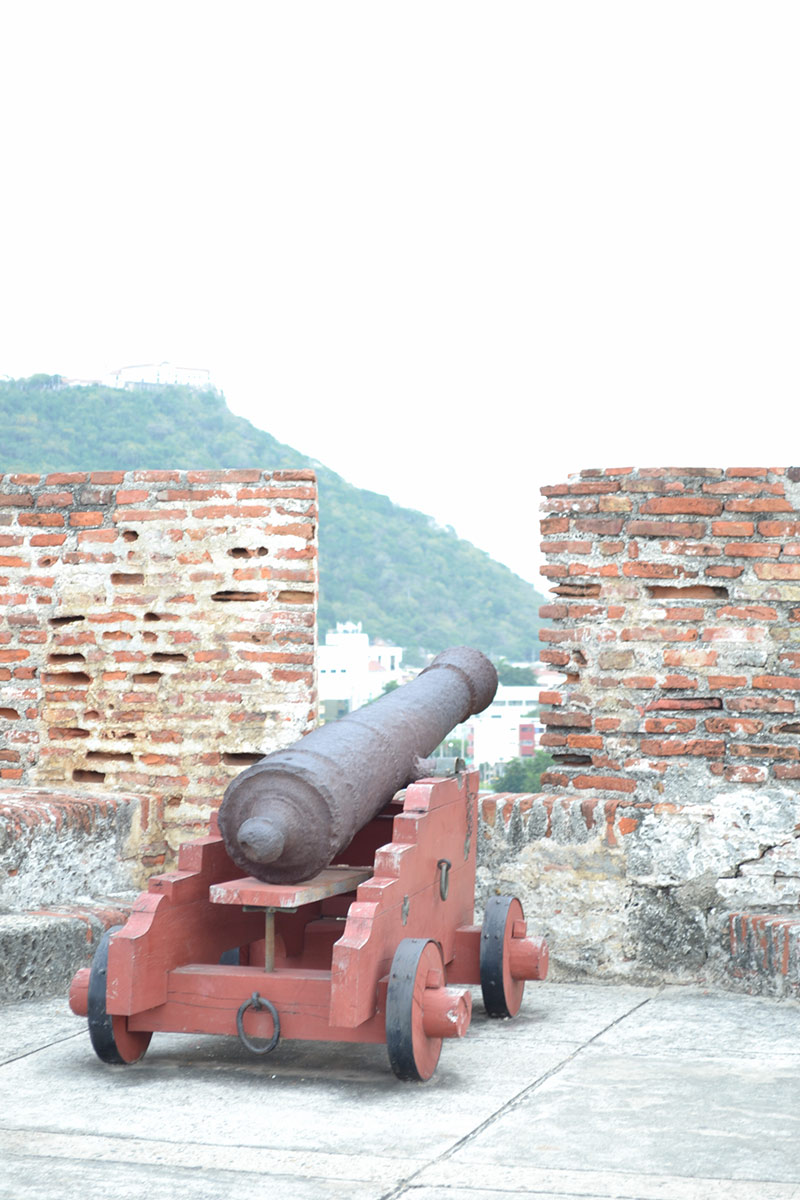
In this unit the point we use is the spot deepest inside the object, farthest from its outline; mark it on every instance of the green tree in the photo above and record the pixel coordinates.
(514, 676)
(523, 774)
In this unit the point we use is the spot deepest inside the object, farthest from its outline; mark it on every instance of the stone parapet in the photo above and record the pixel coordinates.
(643, 892)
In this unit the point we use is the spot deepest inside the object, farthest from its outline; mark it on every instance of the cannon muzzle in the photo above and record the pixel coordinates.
(288, 816)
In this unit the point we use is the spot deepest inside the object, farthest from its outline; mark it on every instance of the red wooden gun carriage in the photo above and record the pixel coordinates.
(374, 944)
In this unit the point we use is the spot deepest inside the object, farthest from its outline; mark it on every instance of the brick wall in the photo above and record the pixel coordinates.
(676, 620)
(666, 844)
(158, 633)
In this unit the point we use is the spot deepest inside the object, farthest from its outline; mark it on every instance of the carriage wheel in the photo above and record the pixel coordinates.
(111, 1039)
(502, 993)
(417, 964)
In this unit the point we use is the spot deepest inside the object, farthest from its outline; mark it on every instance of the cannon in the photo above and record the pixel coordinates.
(287, 817)
(332, 900)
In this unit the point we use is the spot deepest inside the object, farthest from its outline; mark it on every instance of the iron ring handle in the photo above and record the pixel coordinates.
(258, 1002)
(444, 865)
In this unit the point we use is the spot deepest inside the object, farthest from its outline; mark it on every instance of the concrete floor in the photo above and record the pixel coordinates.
(631, 1093)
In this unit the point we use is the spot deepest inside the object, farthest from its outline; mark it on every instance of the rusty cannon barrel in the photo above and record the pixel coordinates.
(289, 815)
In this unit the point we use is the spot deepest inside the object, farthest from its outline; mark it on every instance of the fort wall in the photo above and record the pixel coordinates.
(665, 843)
(158, 634)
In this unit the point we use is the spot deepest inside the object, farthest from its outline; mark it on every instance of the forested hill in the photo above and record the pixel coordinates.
(406, 578)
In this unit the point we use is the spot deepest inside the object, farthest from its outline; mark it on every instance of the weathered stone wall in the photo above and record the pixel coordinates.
(700, 891)
(677, 625)
(671, 815)
(158, 634)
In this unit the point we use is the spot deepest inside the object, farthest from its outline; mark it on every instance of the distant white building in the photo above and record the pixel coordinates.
(503, 730)
(352, 670)
(156, 374)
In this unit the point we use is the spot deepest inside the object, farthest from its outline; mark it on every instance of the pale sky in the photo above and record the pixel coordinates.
(452, 250)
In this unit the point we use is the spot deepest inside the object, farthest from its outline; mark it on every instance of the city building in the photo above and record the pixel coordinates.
(353, 670)
(506, 729)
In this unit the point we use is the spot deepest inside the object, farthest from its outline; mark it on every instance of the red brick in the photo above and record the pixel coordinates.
(135, 496)
(784, 683)
(784, 771)
(571, 547)
(295, 473)
(584, 741)
(147, 514)
(735, 633)
(577, 720)
(615, 504)
(197, 494)
(657, 633)
(98, 535)
(746, 472)
(553, 612)
(669, 529)
(752, 549)
(720, 682)
(699, 747)
(776, 704)
(733, 725)
(107, 476)
(732, 529)
(558, 658)
(86, 519)
(54, 499)
(690, 658)
(67, 477)
(609, 571)
(603, 526)
(743, 773)
(40, 518)
(766, 504)
(669, 724)
(637, 570)
(779, 529)
(604, 783)
(764, 751)
(695, 549)
(743, 488)
(215, 476)
(554, 525)
(777, 570)
(48, 539)
(724, 572)
(700, 505)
